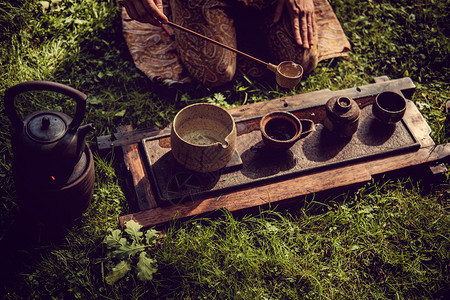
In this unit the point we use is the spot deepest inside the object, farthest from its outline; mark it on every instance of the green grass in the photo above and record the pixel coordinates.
(387, 239)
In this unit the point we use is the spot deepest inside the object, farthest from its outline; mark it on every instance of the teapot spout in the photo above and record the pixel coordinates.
(84, 130)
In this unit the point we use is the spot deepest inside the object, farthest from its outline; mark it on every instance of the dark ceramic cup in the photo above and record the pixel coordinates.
(281, 130)
(389, 107)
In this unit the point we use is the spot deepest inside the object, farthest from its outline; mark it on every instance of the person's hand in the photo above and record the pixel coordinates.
(145, 11)
(302, 19)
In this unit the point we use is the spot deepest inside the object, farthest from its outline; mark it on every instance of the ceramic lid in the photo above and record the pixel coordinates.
(46, 127)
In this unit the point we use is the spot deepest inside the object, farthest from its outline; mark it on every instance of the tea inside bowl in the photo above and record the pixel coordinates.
(280, 129)
(203, 132)
(290, 69)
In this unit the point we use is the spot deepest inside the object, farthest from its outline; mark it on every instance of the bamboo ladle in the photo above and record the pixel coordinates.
(288, 74)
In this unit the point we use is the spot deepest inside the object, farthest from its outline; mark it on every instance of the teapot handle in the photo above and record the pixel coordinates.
(40, 85)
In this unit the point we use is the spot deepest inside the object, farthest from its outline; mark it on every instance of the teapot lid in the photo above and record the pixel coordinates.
(46, 127)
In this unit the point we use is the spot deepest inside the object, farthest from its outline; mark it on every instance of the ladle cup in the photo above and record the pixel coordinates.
(288, 74)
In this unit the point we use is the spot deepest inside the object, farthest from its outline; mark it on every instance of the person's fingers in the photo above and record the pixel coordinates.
(145, 11)
(296, 29)
(310, 29)
(295, 22)
(278, 11)
(145, 15)
(131, 10)
(304, 30)
(155, 9)
(136, 11)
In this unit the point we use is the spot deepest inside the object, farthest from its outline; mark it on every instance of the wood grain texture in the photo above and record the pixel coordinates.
(291, 188)
(417, 124)
(139, 179)
(253, 196)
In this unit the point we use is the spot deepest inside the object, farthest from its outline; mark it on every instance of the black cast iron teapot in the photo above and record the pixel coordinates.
(47, 144)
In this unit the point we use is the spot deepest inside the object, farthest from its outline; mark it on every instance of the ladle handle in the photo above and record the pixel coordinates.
(272, 67)
(40, 85)
(215, 42)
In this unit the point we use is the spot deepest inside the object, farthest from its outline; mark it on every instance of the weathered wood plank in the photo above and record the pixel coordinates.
(253, 196)
(381, 79)
(139, 179)
(422, 156)
(417, 124)
(127, 137)
(291, 188)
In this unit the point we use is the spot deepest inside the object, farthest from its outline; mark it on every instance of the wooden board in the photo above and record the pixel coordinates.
(290, 188)
(137, 179)
(287, 189)
(316, 151)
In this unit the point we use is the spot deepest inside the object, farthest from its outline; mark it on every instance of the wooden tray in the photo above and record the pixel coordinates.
(344, 171)
(319, 150)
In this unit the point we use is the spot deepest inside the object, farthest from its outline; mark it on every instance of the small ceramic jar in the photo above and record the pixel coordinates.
(342, 116)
